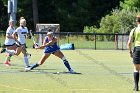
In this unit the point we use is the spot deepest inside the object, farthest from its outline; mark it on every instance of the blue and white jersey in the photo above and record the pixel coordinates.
(52, 48)
(8, 41)
(22, 34)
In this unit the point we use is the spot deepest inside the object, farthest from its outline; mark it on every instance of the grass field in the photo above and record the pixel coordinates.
(102, 71)
(79, 42)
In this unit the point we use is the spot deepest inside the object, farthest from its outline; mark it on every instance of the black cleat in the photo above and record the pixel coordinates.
(3, 50)
(136, 89)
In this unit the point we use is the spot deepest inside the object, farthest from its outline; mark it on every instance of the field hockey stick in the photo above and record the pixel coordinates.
(32, 37)
(35, 44)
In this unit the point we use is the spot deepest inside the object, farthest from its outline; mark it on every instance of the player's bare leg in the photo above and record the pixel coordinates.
(8, 56)
(42, 60)
(24, 51)
(66, 63)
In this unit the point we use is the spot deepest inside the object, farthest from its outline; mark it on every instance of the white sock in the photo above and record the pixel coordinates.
(11, 52)
(26, 61)
(8, 58)
(64, 59)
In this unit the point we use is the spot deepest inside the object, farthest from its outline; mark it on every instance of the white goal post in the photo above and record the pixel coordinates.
(43, 28)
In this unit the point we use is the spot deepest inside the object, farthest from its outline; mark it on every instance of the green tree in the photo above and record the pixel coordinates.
(35, 12)
(119, 21)
(24, 8)
(3, 16)
(130, 4)
(72, 15)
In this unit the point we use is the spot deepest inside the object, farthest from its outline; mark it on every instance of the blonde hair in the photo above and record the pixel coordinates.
(11, 20)
(22, 21)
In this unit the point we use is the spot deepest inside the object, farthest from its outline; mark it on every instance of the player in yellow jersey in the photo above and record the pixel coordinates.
(135, 36)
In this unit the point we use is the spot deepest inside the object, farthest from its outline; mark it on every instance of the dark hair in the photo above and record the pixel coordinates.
(21, 18)
(49, 30)
(138, 19)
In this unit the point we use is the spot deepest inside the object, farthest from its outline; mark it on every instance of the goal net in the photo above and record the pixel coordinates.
(44, 28)
(121, 41)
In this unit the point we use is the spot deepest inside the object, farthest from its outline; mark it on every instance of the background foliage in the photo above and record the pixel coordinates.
(3, 16)
(94, 16)
(72, 15)
(120, 20)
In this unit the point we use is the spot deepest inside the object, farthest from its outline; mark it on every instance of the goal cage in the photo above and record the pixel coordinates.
(121, 41)
(44, 28)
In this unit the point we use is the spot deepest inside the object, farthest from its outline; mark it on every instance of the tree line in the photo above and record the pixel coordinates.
(120, 20)
(75, 15)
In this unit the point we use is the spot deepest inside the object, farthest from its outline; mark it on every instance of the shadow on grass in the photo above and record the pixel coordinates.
(67, 73)
(41, 71)
(19, 68)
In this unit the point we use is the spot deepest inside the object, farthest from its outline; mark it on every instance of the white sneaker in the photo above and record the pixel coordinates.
(27, 69)
(71, 71)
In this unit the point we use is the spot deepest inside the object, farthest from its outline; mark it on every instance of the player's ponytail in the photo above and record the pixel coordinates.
(138, 18)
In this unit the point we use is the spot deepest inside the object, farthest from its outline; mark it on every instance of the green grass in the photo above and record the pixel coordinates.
(108, 71)
(82, 43)
(79, 42)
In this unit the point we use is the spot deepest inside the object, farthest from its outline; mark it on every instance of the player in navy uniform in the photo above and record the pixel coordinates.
(51, 47)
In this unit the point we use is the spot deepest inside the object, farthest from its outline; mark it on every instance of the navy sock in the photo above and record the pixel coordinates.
(66, 63)
(34, 66)
(136, 78)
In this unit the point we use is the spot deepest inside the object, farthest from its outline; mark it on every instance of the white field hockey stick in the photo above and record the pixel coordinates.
(32, 37)
(35, 44)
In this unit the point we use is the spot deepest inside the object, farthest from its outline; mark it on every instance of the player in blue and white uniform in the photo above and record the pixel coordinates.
(51, 47)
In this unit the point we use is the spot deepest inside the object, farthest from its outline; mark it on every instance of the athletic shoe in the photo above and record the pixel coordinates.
(71, 71)
(136, 89)
(7, 64)
(3, 50)
(27, 68)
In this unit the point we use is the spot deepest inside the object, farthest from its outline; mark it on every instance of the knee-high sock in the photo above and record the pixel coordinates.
(66, 63)
(8, 58)
(26, 61)
(136, 78)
